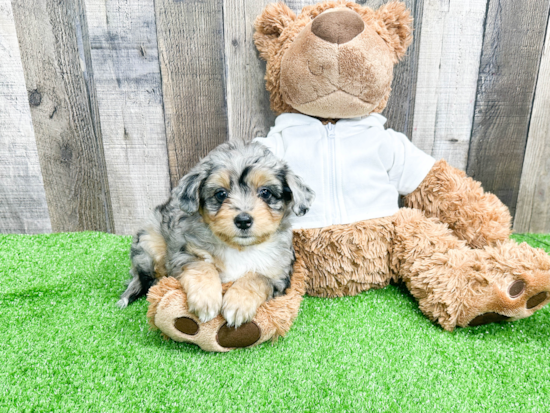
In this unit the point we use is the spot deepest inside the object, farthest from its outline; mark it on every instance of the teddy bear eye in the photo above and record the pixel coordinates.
(221, 195)
(265, 194)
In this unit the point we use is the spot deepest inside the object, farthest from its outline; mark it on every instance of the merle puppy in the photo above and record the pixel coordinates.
(226, 221)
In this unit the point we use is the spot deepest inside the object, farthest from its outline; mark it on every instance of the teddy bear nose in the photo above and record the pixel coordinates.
(338, 26)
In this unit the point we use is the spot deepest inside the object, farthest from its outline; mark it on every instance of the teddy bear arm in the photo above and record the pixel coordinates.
(475, 216)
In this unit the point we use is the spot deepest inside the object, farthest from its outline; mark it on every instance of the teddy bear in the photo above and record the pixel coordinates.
(329, 72)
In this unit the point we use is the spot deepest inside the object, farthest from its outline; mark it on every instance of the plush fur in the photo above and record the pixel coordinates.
(450, 245)
(168, 303)
(308, 75)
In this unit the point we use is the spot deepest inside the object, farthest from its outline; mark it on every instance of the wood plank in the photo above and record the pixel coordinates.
(512, 47)
(248, 111)
(450, 50)
(533, 208)
(191, 53)
(56, 60)
(401, 104)
(129, 94)
(23, 207)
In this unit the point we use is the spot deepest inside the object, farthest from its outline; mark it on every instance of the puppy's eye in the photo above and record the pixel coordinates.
(265, 194)
(221, 195)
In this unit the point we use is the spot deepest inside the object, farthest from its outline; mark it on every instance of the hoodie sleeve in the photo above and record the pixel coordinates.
(410, 165)
(274, 143)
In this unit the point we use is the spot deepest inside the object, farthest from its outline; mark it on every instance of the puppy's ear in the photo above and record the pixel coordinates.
(302, 195)
(188, 190)
(398, 22)
(269, 26)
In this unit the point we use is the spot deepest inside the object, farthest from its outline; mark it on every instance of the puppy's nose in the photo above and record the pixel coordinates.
(338, 26)
(243, 221)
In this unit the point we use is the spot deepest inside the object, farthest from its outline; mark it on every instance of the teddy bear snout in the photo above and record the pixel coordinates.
(338, 26)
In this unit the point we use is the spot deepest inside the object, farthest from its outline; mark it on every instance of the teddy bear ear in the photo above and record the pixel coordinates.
(269, 26)
(398, 22)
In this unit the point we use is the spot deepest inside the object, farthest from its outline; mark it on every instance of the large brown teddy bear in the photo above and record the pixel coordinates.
(329, 72)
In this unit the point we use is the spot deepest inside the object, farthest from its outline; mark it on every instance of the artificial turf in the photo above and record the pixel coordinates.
(65, 346)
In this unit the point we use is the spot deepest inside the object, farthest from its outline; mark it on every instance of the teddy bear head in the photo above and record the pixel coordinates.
(335, 59)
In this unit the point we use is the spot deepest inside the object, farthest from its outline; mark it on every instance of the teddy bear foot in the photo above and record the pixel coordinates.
(518, 304)
(227, 337)
(169, 313)
(519, 285)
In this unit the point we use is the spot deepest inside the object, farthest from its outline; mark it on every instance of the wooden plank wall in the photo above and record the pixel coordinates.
(105, 104)
(23, 207)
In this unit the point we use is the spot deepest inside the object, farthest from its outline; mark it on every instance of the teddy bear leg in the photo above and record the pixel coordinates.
(456, 285)
(169, 312)
(343, 260)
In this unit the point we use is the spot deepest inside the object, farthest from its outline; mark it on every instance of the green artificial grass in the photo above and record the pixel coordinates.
(66, 347)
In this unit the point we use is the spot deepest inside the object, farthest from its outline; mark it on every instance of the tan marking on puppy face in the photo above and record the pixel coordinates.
(260, 177)
(220, 178)
(222, 223)
(155, 245)
(266, 221)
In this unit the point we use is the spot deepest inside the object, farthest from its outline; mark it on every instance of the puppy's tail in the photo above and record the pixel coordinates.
(142, 271)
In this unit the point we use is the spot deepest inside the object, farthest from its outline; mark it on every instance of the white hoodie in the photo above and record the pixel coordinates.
(356, 167)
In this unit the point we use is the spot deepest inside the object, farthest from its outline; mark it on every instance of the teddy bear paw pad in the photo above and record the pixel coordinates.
(536, 300)
(487, 318)
(186, 326)
(516, 288)
(242, 336)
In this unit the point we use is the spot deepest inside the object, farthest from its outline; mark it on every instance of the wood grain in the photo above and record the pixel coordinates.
(248, 111)
(401, 104)
(450, 49)
(23, 207)
(533, 207)
(55, 53)
(512, 46)
(191, 52)
(124, 55)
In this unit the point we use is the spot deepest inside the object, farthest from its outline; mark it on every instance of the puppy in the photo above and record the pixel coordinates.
(227, 220)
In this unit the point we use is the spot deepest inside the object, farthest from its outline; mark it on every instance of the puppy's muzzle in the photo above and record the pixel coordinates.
(243, 221)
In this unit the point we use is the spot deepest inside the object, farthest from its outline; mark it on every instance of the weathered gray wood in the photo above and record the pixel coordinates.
(248, 111)
(55, 53)
(450, 49)
(533, 208)
(191, 53)
(129, 94)
(23, 207)
(401, 104)
(512, 46)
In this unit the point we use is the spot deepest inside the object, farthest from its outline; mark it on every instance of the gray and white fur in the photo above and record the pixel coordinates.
(231, 212)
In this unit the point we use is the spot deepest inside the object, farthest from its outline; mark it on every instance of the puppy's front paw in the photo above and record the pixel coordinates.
(237, 308)
(205, 303)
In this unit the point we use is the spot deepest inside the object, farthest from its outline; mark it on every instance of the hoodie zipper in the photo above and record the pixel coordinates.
(331, 134)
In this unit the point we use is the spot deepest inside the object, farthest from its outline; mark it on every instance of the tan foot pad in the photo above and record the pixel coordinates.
(487, 318)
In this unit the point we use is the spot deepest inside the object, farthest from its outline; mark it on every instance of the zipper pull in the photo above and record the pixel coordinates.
(330, 127)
